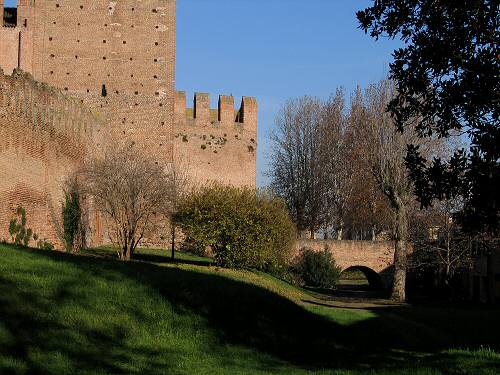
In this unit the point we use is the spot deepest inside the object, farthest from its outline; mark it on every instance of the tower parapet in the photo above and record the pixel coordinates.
(217, 144)
(225, 116)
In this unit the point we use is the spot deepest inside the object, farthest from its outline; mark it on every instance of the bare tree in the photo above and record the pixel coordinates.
(296, 169)
(384, 152)
(311, 162)
(132, 191)
(368, 211)
(336, 162)
(439, 241)
(368, 208)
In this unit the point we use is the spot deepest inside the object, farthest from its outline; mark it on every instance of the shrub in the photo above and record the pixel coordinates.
(20, 234)
(45, 245)
(73, 215)
(71, 218)
(316, 268)
(243, 228)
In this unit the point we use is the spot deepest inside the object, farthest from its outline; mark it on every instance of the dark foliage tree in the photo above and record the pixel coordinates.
(74, 221)
(448, 83)
(316, 268)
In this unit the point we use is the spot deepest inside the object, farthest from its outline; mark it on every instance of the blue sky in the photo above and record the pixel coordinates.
(274, 50)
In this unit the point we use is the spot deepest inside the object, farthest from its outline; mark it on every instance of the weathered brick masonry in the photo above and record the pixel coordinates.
(44, 135)
(116, 58)
(218, 142)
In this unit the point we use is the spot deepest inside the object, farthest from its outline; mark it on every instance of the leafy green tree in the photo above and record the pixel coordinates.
(243, 228)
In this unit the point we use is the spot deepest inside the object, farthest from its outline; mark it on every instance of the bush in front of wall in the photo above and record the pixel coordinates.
(19, 233)
(241, 227)
(316, 268)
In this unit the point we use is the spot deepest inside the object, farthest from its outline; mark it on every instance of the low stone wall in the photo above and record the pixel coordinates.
(377, 255)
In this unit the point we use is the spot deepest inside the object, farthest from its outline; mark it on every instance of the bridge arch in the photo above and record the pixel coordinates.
(374, 279)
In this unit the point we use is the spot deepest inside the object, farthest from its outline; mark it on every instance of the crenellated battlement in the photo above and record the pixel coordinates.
(43, 105)
(218, 144)
(225, 116)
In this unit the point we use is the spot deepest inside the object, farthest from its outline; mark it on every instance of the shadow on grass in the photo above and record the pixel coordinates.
(33, 337)
(240, 314)
(153, 256)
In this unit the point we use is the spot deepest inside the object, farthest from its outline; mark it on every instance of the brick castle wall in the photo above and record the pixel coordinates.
(44, 136)
(377, 255)
(9, 42)
(116, 58)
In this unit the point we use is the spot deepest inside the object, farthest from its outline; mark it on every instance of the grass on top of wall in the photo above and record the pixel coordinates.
(91, 314)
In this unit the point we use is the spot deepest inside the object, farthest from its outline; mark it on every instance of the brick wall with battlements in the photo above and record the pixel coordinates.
(115, 59)
(216, 144)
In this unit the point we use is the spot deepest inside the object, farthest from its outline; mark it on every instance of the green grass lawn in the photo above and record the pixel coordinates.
(91, 314)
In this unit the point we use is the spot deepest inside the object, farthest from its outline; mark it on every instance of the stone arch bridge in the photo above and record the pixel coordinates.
(374, 258)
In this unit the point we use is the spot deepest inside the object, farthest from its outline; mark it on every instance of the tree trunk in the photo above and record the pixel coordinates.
(400, 253)
(313, 234)
(128, 254)
(173, 241)
(490, 277)
(340, 231)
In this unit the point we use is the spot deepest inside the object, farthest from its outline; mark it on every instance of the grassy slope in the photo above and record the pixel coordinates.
(74, 314)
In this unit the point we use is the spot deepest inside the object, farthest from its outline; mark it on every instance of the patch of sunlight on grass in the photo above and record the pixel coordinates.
(341, 316)
(483, 352)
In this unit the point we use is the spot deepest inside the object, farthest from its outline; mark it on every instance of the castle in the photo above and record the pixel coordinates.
(77, 76)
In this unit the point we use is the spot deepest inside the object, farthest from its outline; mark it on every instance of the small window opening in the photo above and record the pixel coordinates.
(10, 16)
(104, 92)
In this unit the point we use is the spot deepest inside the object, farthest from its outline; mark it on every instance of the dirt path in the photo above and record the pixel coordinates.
(351, 296)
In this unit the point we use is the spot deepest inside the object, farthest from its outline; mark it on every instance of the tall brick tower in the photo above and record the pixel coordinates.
(116, 56)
